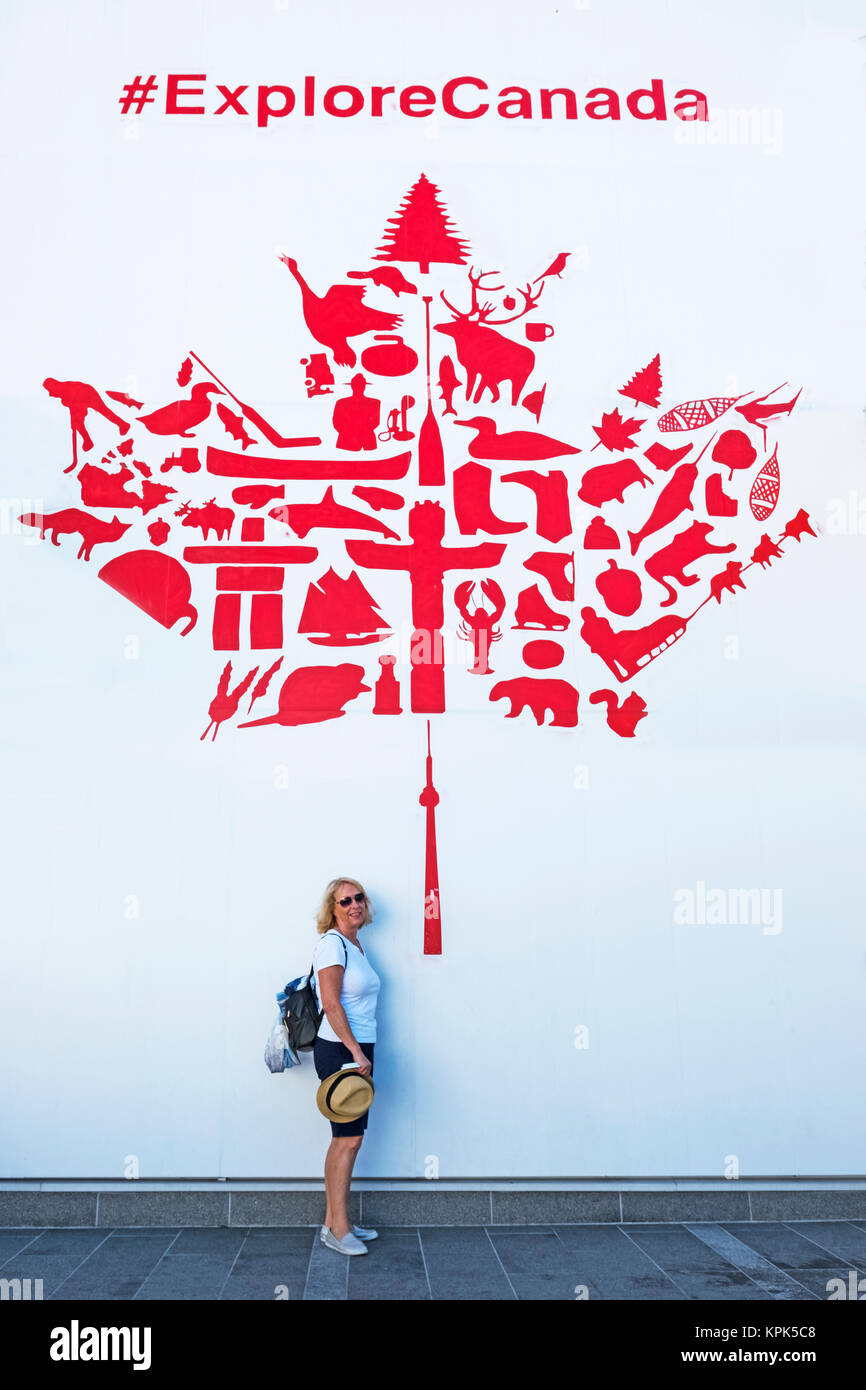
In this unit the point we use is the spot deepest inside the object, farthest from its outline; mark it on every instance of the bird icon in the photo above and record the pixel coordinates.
(387, 275)
(515, 444)
(340, 314)
(182, 416)
(556, 267)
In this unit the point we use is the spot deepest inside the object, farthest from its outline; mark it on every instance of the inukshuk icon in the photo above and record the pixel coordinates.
(423, 464)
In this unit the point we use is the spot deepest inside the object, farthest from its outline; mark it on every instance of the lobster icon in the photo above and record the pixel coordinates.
(479, 625)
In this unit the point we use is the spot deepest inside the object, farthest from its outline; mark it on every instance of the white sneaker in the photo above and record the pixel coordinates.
(363, 1233)
(349, 1245)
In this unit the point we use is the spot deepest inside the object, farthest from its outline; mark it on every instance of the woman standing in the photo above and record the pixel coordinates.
(347, 987)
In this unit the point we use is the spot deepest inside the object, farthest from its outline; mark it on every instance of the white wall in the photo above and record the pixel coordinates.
(742, 265)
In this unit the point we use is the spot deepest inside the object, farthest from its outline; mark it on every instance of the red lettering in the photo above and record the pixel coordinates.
(698, 105)
(376, 99)
(523, 102)
(266, 110)
(174, 90)
(412, 97)
(356, 101)
(448, 97)
(607, 110)
(570, 102)
(232, 99)
(656, 93)
(309, 96)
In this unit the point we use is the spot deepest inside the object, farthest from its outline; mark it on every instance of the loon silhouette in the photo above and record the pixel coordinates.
(516, 444)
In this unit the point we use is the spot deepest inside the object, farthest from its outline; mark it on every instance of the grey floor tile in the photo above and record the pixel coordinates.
(393, 1269)
(66, 1244)
(798, 1293)
(765, 1274)
(463, 1264)
(328, 1273)
(783, 1246)
(660, 1227)
(540, 1266)
(733, 1289)
(115, 1263)
(839, 1238)
(677, 1250)
(54, 1262)
(816, 1280)
(270, 1261)
(635, 1261)
(221, 1241)
(121, 1287)
(290, 1266)
(548, 1288)
(133, 1232)
(648, 1288)
(14, 1242)
(289, 1241)
(522, 1230)
(195, 1276)
(176, 1293)
(608, 1251)
(467, 1288)
(264, 1286)
(530, 1252)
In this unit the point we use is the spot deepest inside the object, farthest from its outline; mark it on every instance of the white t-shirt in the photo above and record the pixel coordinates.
(360, 986)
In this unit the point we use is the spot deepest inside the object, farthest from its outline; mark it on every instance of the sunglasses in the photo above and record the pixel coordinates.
(358, 898)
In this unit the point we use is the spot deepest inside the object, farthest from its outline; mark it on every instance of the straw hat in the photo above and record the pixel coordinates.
(345, 1095)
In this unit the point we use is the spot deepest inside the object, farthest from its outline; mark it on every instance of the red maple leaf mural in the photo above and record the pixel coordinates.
(616, 433)
(475, 547)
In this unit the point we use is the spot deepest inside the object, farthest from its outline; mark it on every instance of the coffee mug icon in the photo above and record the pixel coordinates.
(537, 332)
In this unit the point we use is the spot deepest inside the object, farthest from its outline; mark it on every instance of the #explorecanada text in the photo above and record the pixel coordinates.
(77, 1343)
(461, 98)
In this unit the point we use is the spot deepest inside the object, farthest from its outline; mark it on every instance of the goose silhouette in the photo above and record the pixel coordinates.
(182, 416)
(339, 314)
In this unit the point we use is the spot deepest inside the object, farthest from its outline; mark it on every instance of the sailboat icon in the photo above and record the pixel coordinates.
(341, 613)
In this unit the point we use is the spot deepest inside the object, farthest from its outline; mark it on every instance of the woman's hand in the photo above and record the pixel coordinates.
(365, 1066)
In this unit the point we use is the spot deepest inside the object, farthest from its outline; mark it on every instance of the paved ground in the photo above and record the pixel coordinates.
(737, 1261)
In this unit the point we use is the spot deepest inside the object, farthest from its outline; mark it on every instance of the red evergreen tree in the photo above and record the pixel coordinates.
(422, 231)
(645, 387)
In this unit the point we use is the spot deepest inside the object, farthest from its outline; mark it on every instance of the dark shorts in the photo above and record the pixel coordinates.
(329, 1057)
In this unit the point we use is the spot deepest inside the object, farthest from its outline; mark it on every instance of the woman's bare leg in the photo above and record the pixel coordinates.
(339, 1162)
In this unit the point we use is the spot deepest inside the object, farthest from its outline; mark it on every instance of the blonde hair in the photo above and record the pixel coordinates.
(325, 918)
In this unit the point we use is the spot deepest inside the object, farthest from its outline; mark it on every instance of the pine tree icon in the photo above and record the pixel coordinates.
(646, 385)
(422, 231)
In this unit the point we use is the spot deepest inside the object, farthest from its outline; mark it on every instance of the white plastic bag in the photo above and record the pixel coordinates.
(279, 1056)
